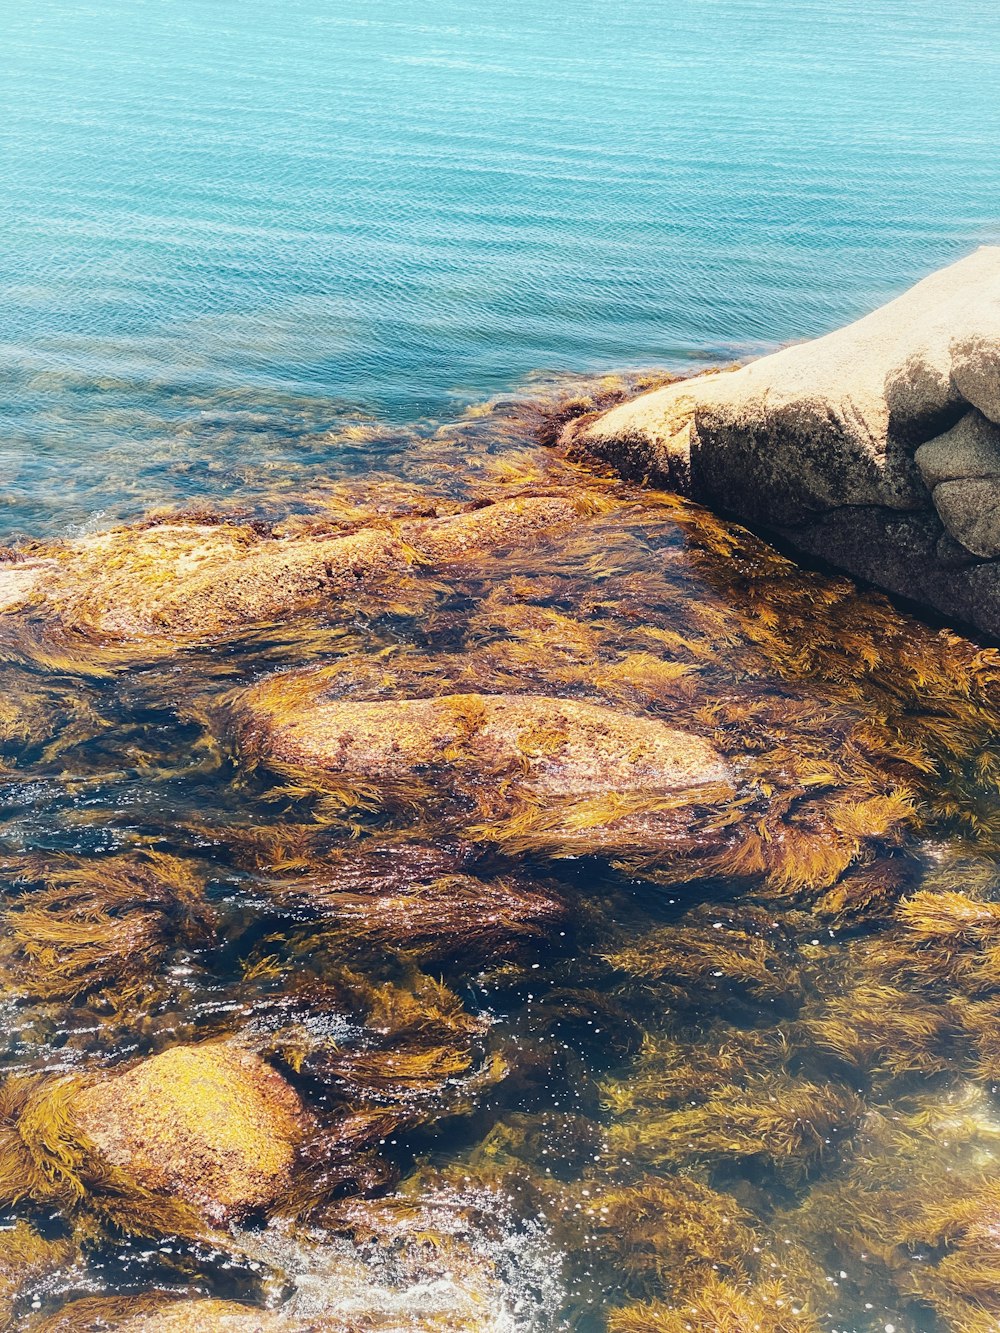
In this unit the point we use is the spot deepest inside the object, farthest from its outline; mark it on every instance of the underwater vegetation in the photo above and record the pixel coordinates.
(490, 897)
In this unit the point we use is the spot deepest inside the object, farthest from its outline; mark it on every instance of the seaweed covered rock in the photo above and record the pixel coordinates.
(818, 441)
(192, 580)
(210, 1123)
(549, 771)
(156, 1314)
(418, 900)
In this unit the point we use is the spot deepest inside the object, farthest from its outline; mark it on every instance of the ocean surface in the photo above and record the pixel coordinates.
(228, 226)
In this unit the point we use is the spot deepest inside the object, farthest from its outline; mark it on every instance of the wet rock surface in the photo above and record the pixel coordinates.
(162, 584)
(211, 1124)
(835, 443)
(512, 749)
(172, 1316)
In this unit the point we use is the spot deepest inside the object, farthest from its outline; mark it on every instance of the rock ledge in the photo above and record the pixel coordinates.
(876, 447)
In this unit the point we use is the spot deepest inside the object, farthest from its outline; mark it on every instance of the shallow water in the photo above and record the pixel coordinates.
(651, 1081)
(258, 264)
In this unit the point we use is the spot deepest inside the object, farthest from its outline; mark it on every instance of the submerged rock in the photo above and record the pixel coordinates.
(210, 1123)
(416, 899)
(190, 580)
(158, 1315)
(211, 1316)
(818, 441)
(433, 1258)
(542, 758)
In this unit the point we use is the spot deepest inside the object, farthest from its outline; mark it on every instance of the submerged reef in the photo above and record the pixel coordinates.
(493, 899)
(171, 582)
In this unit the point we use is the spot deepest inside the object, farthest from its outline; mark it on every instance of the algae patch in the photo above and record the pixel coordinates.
(490, 897)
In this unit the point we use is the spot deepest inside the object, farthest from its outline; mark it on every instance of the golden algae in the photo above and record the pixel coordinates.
(944, 939)
(666, 1234)
(769, 1306)
(210, 1124)
(914, 1218)
(96, 929)
(714, 1044)
(419, 1047)
(868, 893)
(792, 1126)
(880, 1028)
(711, 958)
(29, 1260)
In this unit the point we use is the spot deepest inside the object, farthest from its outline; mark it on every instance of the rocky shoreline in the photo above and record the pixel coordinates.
(483, 899)
(876, 447)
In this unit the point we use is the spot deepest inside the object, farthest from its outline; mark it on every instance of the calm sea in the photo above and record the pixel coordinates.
(229, 228)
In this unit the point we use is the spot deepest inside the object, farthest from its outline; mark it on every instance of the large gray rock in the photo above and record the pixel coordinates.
(970, 449)
(962, 471)
(800, 440)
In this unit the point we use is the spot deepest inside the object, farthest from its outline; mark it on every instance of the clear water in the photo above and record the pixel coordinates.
(223, 223)
(262, 258)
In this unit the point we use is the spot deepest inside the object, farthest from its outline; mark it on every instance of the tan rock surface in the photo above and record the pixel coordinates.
(182, 579)
(184, 1316)
(563, 747)
(821, 424)
(975, 369)
(211, 1316)
(210, 1123)
(818, 441)
(577, 775)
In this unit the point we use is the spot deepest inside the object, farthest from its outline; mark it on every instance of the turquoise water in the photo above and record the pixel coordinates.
(227, 227)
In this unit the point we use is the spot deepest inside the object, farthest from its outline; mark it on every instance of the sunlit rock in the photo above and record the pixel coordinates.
(210, 1123)
(975, 369)
(435, 1259)
(573, 770)
(159, 1315)
(190, 580)
(817, 441)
